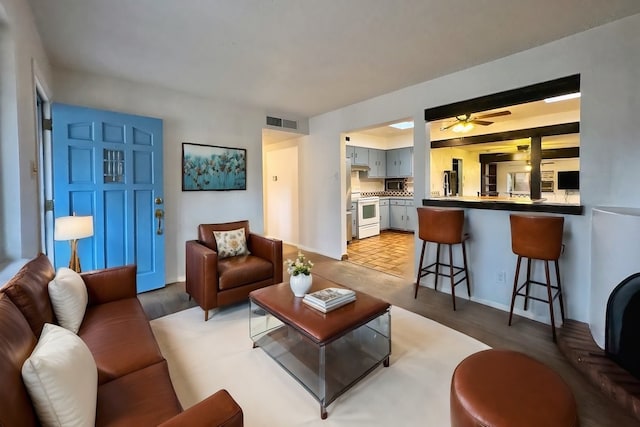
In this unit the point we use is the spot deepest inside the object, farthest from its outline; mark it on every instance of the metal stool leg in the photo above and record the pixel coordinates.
(453, 285)
(559, 290)
(553, 323)
(526, 298)
(424, 244)
(466, 271)
(435, 284)
(515, 288)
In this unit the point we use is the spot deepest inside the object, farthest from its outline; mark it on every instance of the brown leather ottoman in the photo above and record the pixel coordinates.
(502, 388)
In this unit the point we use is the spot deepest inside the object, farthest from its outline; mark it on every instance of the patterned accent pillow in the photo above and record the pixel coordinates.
(231, 243)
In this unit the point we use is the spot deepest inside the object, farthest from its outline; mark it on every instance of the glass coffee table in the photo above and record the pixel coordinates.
(326, 353)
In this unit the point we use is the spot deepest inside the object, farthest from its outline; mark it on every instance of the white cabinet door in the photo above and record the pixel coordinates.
(392, 163)
(350, 152)
(361, 156)
(396, 217)
(402, 215)
(384, 214)
(377, 163)
(405, 162)
(411, 216)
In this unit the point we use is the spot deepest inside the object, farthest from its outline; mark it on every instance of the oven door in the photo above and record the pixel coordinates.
(368, 212)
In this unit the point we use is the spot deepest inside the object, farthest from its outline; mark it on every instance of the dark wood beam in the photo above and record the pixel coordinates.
(552, 153)
(535, 92)
(534, 182)
(542, 131)
(561, 153)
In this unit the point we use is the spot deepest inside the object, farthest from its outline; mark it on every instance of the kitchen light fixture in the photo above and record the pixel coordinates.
(562, 97)
(72, 228)
(462, 127)
(402, 125)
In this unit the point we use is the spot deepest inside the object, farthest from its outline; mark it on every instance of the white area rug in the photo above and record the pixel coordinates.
(413, 391)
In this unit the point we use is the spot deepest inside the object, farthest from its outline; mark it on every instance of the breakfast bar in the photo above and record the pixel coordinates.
(520, 204)
(492, 263)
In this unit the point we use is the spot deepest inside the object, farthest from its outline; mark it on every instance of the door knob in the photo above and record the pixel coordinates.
(159, 215)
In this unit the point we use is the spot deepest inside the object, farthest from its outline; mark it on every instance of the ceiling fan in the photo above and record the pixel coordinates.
(465, 122)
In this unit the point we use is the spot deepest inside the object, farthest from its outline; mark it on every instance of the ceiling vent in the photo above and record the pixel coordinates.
(282, 123)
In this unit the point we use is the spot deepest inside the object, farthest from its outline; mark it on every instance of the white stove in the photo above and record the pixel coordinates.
(368, 217)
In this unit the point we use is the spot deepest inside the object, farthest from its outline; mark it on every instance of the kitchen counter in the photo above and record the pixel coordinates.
(505, 204)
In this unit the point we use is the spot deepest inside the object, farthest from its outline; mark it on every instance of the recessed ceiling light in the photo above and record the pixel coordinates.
(562, 97)
(402, 125)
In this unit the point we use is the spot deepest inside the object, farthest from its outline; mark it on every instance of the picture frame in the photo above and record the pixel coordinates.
(213, 168)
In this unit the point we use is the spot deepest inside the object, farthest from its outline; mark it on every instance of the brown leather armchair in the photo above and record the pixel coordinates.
(215, 282)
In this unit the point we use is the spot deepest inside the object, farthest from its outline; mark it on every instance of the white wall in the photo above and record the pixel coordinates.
(281, 193)
(610, 72)
(186, 119)
(441, 160)
(21, 56)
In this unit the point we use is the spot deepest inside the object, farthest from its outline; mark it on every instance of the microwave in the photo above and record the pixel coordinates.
(394, 184)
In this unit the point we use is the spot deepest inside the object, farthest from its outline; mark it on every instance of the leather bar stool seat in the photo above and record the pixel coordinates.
(503, 388)
(443, 227)
(540, 238)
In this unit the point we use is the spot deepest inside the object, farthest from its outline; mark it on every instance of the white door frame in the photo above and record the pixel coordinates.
(43, 162)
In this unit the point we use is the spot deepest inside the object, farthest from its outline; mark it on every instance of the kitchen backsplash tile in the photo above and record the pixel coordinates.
(387, 193)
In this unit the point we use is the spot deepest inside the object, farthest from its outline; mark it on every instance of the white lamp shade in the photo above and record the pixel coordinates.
(73, 227)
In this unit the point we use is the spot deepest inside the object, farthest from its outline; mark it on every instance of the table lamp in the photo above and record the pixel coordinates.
(72, 228)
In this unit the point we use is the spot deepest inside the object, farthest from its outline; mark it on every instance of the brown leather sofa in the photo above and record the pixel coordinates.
(214, 282)
(134, 387)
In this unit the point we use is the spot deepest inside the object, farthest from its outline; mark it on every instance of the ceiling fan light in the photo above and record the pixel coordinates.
(462, 127)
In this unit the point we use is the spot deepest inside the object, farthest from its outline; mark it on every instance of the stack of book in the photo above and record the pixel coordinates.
(329, 299)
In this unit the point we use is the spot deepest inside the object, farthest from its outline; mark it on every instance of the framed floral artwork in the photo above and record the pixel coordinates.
(213, 168)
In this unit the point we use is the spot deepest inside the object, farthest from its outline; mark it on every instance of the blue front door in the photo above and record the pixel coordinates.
(109, 165)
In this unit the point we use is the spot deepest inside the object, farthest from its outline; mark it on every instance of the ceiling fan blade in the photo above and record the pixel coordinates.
(449, 126)
(480, 122)
(496, 114)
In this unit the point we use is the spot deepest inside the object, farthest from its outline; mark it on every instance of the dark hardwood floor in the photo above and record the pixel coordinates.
(484, 323)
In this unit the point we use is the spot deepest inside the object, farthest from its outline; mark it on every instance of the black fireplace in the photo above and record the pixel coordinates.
(622, 333)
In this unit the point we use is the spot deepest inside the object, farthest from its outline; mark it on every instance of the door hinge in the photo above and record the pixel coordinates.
(48, 205)
(47, 124)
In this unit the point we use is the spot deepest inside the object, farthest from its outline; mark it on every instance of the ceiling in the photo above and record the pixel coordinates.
(301, 57)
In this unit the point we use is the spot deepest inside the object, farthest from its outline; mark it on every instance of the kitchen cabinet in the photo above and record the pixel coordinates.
(400, 162)
(377, 163)
(402, 215)
(384, 214)
(359, 155)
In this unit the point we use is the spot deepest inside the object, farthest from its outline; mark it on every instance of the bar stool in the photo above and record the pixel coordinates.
(442, 226)
(537, 237)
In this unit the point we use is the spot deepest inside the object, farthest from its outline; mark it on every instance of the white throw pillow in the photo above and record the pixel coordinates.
(231, 243)
(62, 379)
(69, 298)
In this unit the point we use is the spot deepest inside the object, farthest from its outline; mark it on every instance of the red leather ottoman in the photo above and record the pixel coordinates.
(502, 388)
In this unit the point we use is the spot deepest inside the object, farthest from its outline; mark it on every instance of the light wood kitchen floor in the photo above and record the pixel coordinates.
(390, 252)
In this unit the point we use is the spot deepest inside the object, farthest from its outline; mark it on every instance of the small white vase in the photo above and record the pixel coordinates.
(300, 284)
